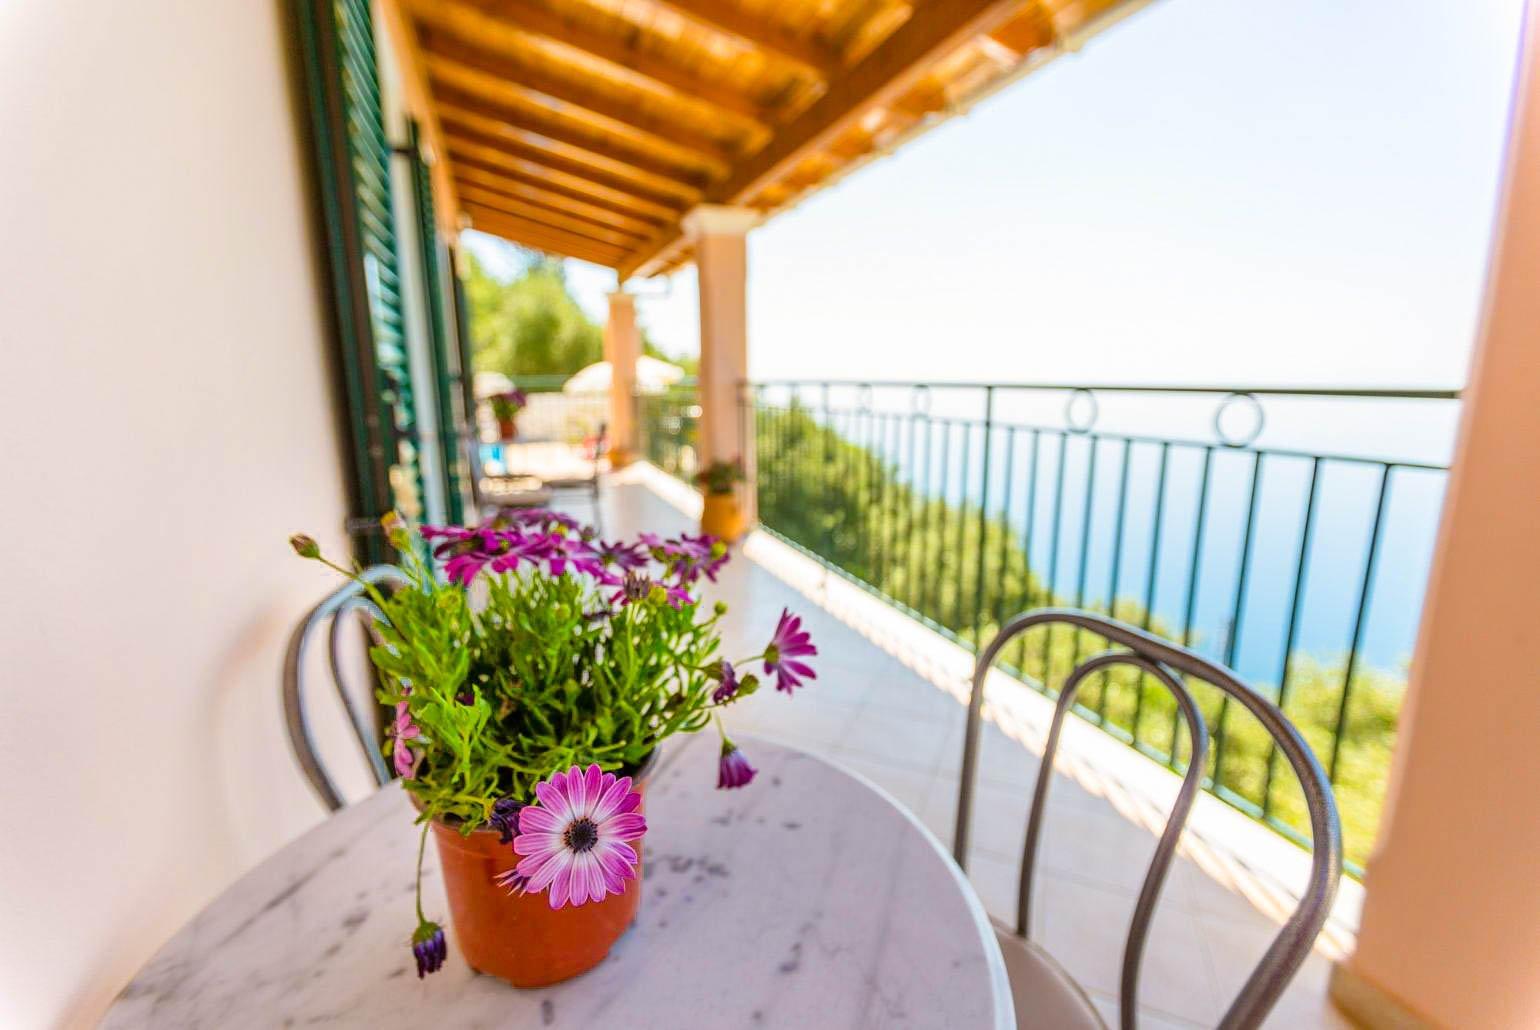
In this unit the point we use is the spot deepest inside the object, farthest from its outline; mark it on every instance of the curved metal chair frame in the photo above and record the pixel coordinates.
(350, 598)
(1167, 663)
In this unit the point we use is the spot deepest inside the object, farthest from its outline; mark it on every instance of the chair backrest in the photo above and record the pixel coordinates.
(1168, 664)
(334, 613)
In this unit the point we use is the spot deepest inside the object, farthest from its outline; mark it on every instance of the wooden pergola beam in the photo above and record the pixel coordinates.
(515, 96)
(563, 91)
(419, 96)
(469, 175)
(559, 220)
(727, 18)
(934, 30)
(542, 237)
(656, 72)
(578, 160)
(545, 175)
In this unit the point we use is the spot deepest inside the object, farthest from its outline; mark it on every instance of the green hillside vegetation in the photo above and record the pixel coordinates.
(842, 502)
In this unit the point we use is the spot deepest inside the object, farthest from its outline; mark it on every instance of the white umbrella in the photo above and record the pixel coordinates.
(488, 384)
(652, 376)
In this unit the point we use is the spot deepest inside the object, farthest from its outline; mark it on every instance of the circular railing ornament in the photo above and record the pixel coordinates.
(919, 400)
(1081, 400)
(1259, 420)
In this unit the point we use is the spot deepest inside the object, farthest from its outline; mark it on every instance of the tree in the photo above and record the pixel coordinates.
(529, 325)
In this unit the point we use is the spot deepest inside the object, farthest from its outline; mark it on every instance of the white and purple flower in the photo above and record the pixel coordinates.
(576, 840)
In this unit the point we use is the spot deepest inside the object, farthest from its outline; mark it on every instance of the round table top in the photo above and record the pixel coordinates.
(807, 899)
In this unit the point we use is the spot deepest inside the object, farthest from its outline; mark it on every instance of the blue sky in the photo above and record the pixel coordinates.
(1223, 191)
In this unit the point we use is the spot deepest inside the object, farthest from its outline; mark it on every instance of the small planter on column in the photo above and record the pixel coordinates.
(721, 514)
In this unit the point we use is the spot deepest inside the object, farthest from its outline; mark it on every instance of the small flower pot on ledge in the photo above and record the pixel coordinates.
(519, 937)
(507, 429)
(721, 517)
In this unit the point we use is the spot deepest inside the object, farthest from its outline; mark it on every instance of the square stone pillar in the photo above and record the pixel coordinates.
(622, 346)
(721, 259)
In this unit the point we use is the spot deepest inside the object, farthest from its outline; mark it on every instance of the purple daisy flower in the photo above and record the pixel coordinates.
(576, 840)
(505, 819)
(729, 682)
(429, 948)
(790, 642)
(733, 770)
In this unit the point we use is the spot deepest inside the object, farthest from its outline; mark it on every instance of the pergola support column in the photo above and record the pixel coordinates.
(622, 347)
(719, 235)
(1451, 921)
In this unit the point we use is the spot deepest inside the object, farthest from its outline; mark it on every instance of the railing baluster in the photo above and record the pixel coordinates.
(1026, 583)
(1192, 583)
(1085, 537)
(959, 550)
(1237, 614)
(983, 543)
(1053, 554)
(1365, 593)
(1003, 557)
(1151, 578)
(1290, 635)
(1112, 580)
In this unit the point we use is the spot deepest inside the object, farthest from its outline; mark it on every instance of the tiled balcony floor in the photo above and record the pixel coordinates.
(889, 704)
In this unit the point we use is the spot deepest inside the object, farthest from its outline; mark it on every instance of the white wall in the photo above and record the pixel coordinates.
(165, 417)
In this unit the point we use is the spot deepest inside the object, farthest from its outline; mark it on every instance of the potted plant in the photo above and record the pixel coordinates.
(720, 515)
(505, 408)
(534, 671)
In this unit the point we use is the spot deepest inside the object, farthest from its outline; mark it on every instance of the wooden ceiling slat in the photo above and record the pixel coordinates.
(561, 131)
(541, 173)
(515, 96)
(579, 160)
(555, 219)
(540, 237)
(549, 27)
(726, 17)
(567, 92)
(551, 165)
(473, 176)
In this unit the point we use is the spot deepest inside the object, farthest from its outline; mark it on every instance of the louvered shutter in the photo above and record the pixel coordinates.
(353, 172)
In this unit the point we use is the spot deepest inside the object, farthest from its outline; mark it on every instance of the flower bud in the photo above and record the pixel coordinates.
(305, 546)
(720, 608)
(395, 531)
(657, 595)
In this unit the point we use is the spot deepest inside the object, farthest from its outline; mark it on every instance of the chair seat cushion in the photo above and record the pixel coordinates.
(1044, 995)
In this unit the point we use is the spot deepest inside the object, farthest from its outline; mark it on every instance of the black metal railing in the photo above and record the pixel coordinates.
(1259, 537)
(669, 423)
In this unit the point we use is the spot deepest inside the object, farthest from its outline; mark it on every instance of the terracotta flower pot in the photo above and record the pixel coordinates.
(519, 937)
(507, 429)
(721, 517)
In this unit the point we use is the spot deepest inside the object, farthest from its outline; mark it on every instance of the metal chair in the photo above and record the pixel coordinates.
(1045, 995)
(334, 609)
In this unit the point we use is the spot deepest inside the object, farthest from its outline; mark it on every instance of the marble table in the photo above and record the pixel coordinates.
(807, 899)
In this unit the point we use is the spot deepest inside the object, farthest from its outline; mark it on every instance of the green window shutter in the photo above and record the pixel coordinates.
(353, 173)
(446, 366)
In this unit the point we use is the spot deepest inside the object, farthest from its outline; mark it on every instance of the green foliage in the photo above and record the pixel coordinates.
(531, 325)
(967, 573)
(540, 674)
